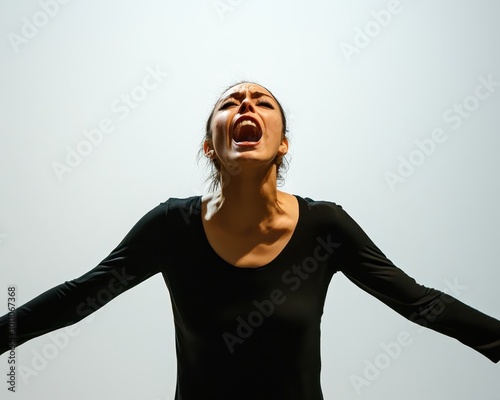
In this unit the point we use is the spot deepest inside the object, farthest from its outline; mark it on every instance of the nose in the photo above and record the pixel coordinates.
(246, 105)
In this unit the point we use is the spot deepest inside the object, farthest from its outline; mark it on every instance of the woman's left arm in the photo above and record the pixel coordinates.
(364, 264)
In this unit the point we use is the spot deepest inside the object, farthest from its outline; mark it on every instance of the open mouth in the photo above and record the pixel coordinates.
(246, 131)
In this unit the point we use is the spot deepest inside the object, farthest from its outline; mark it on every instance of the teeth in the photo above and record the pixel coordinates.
(242, 133)
(247, 122)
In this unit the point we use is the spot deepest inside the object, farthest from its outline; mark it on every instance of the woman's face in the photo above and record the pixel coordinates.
(246, 128)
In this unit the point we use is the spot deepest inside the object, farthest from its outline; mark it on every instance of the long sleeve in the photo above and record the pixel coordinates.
(135, 259)
(365, 265)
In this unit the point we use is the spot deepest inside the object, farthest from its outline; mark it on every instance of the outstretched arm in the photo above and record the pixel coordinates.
(364, 264)
(135, 259)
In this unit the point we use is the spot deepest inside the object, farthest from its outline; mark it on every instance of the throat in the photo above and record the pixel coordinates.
(247, 133)
(247, 244)
(251, 215)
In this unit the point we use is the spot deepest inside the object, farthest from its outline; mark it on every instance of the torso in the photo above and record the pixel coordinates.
(252, 249)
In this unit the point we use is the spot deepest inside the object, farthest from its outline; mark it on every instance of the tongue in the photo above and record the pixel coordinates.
(246, 133)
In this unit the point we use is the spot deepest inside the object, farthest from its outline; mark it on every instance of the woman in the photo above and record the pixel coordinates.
(248, 268)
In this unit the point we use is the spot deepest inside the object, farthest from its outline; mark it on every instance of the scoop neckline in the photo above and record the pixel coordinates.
(281, 254)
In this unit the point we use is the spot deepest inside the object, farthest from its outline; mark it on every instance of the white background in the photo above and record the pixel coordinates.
(351, 118)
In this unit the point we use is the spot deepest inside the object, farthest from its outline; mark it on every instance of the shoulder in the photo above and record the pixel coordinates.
(178, 203)
(183, 209)
(320, 207)
(331, 216)
(170, 211)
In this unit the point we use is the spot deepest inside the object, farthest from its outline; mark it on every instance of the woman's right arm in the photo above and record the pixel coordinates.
(138, 257)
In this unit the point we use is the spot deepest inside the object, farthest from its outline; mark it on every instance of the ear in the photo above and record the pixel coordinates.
(207, 149)
(283, 149)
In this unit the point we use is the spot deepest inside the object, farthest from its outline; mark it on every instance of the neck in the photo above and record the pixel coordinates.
(247, 202)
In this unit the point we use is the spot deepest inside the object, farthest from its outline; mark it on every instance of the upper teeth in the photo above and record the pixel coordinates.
(248, 122)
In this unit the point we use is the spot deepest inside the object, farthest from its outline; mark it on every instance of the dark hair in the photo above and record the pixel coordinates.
(214, 164)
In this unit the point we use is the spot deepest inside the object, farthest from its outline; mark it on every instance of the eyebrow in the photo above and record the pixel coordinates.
(240, 94)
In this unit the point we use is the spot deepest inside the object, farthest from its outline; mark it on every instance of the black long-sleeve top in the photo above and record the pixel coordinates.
(248, 333)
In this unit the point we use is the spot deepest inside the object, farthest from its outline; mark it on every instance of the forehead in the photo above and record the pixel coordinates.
(246, 86)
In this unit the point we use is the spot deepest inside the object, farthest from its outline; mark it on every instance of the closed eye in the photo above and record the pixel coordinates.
(227, 104)
(265, 103)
